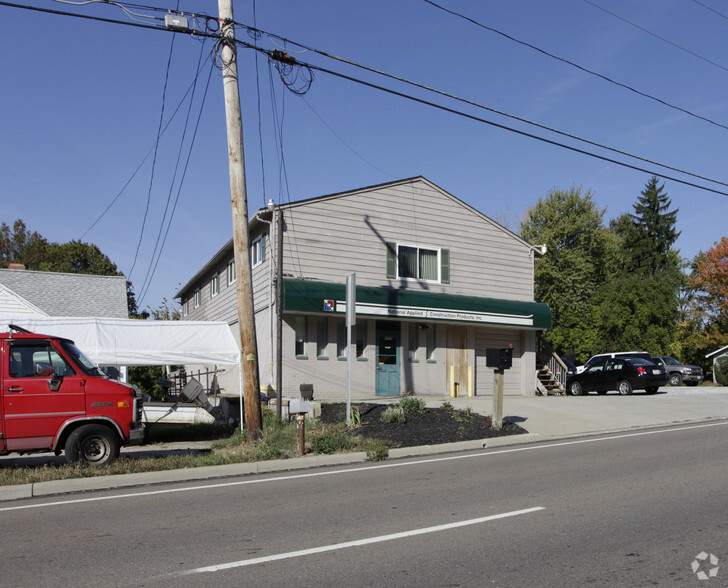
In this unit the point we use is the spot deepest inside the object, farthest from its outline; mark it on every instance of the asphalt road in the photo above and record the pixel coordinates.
(630, 509)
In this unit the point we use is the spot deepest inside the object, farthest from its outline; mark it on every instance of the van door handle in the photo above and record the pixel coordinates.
(13, 389)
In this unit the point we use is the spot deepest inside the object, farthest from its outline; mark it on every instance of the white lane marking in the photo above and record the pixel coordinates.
(357, 543)
(356, 469)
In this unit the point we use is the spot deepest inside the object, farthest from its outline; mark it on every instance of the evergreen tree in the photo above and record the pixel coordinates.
(650, 235)
(637, 307)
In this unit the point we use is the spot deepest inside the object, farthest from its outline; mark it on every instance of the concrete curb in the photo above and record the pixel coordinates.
(58, 487)
(561, 419)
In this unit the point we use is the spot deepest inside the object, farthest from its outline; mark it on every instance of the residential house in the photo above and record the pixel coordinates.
(715, 356)
(26, 292)
(437, 284)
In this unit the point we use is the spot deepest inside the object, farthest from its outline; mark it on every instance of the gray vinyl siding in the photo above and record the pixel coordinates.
(328, 376)
(261, 275)
(328, 238)
(517, 378)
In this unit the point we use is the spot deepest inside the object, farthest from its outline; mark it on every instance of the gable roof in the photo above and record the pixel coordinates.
(263, 215)
(717, 352)
(60, 294)
(13, 304)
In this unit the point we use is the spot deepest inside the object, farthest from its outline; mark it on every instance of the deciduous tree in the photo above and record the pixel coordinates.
(579, 257)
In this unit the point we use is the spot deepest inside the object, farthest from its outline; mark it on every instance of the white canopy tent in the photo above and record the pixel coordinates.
(127, 342)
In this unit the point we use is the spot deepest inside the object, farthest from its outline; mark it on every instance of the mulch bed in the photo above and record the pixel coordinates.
(432, 427)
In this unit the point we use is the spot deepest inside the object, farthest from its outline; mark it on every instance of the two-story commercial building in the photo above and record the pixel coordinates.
(437, 284)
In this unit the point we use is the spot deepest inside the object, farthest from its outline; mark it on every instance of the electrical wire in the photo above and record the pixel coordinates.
(517, 131)
(179, 187)
(579, 67)
(154, 158)
(258, 105)
(663, 39)
(493, 110)
(157, 248)
(504, 127)
(711, 9)
(344, 143)
(149, 152)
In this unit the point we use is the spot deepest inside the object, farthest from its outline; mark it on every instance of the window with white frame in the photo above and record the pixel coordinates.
(198, 298)
(214, 285)
(257, 250)
(231, 277)
(428, 264)
(186, 307)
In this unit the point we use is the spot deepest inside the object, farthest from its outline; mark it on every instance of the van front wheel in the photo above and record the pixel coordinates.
(94, 445)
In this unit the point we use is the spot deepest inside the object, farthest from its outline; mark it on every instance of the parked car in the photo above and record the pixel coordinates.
(592, 360)
(623, 374)
(570, 368)
(691, 375)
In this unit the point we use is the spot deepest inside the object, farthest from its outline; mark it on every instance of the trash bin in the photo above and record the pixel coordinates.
(306, 391)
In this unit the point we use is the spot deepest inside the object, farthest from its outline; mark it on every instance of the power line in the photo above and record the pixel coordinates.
(711, 9)
(579, 67)
(154, 159)
(513, 130)
(149, 152)
(663, 39)
(157, 248)
(425, 102)
(274, 55)
(179, 186)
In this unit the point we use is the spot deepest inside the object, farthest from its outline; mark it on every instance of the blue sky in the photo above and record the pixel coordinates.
(81, 102)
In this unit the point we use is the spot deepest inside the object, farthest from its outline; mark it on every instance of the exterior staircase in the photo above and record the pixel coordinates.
(551, 370)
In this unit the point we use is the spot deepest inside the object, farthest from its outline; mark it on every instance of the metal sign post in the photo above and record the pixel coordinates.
(350, 322)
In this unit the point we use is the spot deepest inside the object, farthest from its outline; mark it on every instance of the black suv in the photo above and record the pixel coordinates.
(691, 375)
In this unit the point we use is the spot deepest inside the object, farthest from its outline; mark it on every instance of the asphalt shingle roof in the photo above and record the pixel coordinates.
(61, 294)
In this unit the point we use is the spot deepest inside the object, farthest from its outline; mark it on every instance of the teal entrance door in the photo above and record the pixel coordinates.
(388, 358)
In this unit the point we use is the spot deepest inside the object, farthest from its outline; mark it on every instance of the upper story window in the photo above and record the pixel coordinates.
(257, 250)
(429, 264)
(198, 298)
(186, 308)
(214, 285)
(231, 272)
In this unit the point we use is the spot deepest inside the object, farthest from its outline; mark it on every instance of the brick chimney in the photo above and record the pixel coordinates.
(16, 266)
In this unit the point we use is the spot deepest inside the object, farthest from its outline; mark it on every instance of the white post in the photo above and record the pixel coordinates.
(350, 322)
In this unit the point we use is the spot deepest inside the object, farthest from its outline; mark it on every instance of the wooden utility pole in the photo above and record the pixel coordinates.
(241, 238)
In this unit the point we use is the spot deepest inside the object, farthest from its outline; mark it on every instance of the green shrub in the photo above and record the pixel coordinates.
(377, 451)
(721, 371)
(393, 414)
(412, 404)
(446, 406)
(464, 415)
(355, 418)
(332, 439)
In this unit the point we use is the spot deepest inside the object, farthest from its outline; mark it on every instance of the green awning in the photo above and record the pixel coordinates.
(329, 298)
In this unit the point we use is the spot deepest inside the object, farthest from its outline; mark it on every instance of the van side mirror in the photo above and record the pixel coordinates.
(44, 369)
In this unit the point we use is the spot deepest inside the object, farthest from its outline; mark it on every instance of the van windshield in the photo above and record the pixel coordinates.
(83, 362)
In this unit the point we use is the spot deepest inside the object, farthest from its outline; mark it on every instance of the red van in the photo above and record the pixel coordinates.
(55, 399)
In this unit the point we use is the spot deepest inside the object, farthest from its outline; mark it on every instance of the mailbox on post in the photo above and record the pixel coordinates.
(499, 358)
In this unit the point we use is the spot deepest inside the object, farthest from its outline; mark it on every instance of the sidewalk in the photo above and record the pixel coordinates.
(545, 418)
